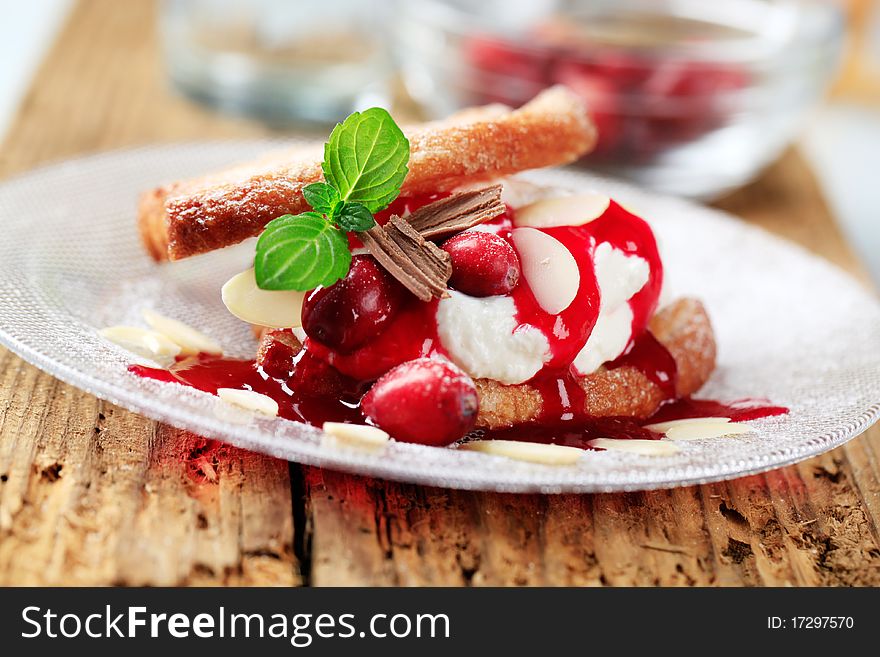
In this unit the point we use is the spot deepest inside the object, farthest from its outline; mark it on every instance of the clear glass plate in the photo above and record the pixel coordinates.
(790, 327)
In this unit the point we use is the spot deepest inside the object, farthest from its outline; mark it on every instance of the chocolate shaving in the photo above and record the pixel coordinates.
(421, 266)
(458, 212)
(402, 246)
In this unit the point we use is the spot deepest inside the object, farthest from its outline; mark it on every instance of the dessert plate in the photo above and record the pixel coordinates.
(790, 327)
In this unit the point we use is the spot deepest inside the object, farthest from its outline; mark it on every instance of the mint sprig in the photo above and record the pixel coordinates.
(322, 197)
(365, 163)
(301, 252)
(365, 159)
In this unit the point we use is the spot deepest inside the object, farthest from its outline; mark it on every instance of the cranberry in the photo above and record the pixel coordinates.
(425, 401)
(277, 352)
(626, 70)
(695, 95)
(512, 61)
(602, 98)
(354, 310)
(483, 264)
(313, 377)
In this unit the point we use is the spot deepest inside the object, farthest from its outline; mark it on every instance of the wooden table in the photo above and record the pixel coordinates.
(93, 494)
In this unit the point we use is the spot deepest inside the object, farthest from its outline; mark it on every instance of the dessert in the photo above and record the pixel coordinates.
(410, 286)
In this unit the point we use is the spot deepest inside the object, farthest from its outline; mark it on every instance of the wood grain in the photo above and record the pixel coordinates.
(92, 494)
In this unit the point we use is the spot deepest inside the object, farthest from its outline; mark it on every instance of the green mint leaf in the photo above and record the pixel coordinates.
(365, 159)
(354, 216)
(300, 252)
(322, 197)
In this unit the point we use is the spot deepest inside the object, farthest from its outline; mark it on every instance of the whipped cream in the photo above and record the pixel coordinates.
(620, 277)
(484, 338)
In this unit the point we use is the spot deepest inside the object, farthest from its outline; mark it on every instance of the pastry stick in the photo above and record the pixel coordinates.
(191, 217)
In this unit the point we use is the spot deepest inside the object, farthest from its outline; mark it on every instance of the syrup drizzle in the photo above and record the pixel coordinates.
(296, 401)
(652, 359)
(314, 394)
(741, 410)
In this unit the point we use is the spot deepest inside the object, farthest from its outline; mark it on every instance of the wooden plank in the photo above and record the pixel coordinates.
(92, 494)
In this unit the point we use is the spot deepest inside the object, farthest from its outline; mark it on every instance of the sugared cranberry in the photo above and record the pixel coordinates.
(354, 310)
(483, 264)
(425, 401)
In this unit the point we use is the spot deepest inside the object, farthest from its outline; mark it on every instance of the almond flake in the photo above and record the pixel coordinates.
(249, 400)
(456, 213)
(522, 451)
(361, 436)
(663, 427)
(562, 211)
(273, 308)
(635, 446)
(142, 342)
(706, 430)
(548, 267)
(190, 341)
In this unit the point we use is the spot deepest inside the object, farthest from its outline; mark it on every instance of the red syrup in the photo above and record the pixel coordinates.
(741, 410)
(652, 359)
(563, 421)
(560, 423)
(295, 402)
(633, 235)
(411, 334)
(578, 435)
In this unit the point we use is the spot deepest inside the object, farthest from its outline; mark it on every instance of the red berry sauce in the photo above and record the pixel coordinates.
(295, 399)
(741, 410)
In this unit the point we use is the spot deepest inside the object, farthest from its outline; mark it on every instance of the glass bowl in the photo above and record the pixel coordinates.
(689, 97)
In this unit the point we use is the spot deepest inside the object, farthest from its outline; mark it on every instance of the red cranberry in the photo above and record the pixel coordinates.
(277, 352)
(602, 98)
(695, 96)
(313, 377)
(354, 310)
(425, 401)
(503, 72)
(483, 264)
(626, 70)
(508, 59)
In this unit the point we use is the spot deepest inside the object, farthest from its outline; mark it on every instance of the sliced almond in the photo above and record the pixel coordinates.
(522, 451)
(636, 446)
(249, 400)
(360, 436)
(142, 342)
(190, 340)
(663, 427)
(706, 430)
(562, 211)
(548, 267)
(272, 308)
